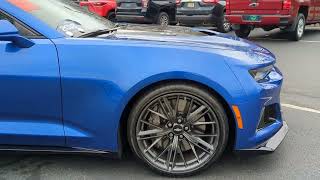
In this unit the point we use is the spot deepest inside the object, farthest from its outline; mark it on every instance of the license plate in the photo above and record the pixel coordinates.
(252, 18)
(190, 5)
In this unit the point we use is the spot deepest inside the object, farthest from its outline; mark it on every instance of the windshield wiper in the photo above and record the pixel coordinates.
(99, 32)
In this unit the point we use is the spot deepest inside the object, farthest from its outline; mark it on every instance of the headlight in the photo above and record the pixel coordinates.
(261, 74)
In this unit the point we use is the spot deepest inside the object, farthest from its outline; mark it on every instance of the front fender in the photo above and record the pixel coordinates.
(100, 77)
(188, 76)
(165, 77)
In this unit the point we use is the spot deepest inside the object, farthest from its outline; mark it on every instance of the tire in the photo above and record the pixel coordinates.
(163, 19)
(175, 129)
(224, 26)
(299, 28)
(112, 16)
(243, 32)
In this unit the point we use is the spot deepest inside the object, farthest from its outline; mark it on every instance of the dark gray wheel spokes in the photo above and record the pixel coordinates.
(178, 132)
(300, 27)
(164, 21)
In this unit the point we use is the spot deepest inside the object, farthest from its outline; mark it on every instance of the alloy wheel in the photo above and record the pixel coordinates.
(300, 28)
(164, 21)
(177, 132)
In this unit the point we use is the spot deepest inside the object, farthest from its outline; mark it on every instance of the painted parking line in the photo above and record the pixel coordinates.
(301, 108)
(310, 41)
(270, 39)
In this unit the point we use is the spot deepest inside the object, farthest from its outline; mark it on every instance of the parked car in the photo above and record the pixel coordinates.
(74, 82)
(203, 12)
(104, 8)
(289, 15)
(161, 12)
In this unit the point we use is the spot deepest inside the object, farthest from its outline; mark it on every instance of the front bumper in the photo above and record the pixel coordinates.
(271, 144)
(262, 127)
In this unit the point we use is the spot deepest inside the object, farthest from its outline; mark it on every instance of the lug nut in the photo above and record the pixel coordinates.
(179, 120)
(169, 125)
(181, 136)
(171, 134)
(186, 128)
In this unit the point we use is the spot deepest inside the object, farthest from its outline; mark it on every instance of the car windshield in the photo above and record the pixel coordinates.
(65, 16)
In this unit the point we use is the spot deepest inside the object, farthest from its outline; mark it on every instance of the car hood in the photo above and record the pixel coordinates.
(198, 39)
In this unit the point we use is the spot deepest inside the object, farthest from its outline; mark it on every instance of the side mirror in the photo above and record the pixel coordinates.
(8, 32)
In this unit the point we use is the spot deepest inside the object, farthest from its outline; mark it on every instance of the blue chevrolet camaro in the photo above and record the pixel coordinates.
(76, 83)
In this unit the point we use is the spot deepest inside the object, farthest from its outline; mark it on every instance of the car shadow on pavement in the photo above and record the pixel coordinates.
(97, 167)
(311, 32)
(278, 35)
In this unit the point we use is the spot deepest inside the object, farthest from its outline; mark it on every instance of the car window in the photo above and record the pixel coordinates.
(23, 31)
(65, 16)
(2, 16)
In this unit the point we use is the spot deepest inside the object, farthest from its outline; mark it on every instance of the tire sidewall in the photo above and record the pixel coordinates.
(220, 24)
(211, 100)
(243, 32)
(111, 14)
(300, 16)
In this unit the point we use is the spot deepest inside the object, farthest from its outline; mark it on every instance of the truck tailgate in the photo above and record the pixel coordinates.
(255, 4)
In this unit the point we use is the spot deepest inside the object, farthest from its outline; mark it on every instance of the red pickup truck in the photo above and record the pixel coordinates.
(289, 15)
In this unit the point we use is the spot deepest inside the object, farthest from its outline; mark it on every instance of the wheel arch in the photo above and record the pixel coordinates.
(304, 10)
(110, 11)
(170, 11)
(123, 146)
(219, 10)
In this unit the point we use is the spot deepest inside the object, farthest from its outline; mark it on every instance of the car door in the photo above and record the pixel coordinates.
(30, 92)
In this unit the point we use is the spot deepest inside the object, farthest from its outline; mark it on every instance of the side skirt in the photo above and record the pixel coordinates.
(55, 150)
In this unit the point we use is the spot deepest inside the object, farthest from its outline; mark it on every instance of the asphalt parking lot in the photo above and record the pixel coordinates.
(297, 157)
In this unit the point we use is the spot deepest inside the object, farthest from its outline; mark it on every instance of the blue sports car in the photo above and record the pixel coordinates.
(73, 82)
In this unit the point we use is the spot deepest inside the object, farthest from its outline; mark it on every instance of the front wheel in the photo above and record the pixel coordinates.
(243, 31)
(178, 129)
(163, 19)
(299, 28)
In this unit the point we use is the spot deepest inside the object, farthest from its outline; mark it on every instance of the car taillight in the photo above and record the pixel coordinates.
(210, 1)
(286, 5)
(145, 3)
(178, 2)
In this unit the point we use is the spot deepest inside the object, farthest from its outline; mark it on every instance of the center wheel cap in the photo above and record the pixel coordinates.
(177, 129)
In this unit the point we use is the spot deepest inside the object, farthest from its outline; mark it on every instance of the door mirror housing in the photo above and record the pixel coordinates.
(8, 32)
